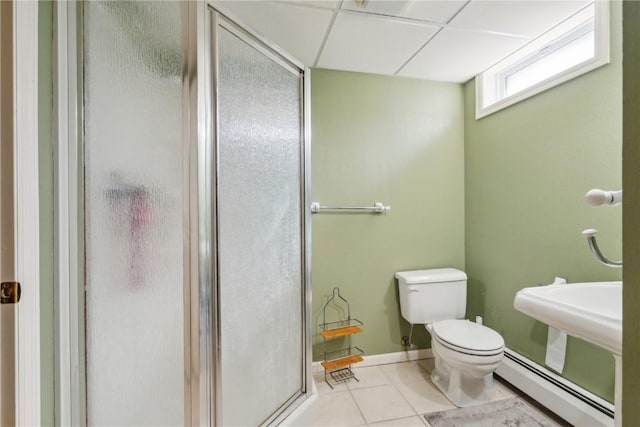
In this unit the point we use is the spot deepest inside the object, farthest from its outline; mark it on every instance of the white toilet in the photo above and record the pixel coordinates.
(466, 353)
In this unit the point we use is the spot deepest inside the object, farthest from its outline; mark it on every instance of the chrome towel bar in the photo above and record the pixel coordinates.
(378, 207)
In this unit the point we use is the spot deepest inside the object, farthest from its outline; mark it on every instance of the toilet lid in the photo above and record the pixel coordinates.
(466, 335)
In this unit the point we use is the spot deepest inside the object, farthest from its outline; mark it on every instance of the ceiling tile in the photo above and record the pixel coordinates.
(434, 11)
(456, 56)
(439, 11)
(524, 17)
(327, 4)
(371, 44)
(383, 7)
(297, 30)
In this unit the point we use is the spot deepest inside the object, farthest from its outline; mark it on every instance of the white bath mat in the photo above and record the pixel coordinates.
(512, 412)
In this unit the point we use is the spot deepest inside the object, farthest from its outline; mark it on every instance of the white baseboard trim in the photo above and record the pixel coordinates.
(552, 396)
(385, 358)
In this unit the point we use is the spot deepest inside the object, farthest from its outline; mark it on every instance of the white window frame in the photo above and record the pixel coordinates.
(488, 83)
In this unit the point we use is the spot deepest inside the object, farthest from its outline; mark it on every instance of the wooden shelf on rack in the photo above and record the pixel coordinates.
(340, 332)
(331, 365)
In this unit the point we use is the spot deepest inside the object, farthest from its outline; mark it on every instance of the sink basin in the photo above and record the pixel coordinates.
(591, 311)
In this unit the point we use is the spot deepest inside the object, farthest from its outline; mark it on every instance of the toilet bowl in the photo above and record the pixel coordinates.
(466, 353)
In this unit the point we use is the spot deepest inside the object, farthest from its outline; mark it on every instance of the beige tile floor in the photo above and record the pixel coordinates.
(396, 394)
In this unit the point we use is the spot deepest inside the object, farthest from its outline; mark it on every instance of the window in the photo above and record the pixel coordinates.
(574, 47)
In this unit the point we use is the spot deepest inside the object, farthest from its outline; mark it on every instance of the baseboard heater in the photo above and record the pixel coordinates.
(569, 401)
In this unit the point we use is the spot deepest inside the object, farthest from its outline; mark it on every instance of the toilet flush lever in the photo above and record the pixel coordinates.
(413, 288)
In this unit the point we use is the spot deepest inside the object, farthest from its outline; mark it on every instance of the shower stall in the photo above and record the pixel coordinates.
(188, 139)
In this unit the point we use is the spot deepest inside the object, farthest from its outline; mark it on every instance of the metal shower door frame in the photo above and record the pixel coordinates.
(70, 365)
(217, 16)
(202, 400)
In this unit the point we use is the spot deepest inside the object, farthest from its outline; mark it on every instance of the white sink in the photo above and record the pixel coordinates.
(591, 311)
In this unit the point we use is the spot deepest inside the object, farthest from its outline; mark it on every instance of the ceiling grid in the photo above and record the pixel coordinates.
(443, 40)
(326, 34)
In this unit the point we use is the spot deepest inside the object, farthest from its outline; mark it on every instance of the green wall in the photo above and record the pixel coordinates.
(397, 141)
(527, 168)
(631, 216)
(525, 171)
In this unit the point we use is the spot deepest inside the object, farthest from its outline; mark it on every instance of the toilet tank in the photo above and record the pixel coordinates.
(428, 296)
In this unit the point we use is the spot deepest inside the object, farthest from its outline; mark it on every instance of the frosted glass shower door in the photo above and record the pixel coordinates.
(134, 213)
(260, 234)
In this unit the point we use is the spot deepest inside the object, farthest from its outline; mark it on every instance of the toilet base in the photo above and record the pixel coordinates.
(465, 380)
(461, 390)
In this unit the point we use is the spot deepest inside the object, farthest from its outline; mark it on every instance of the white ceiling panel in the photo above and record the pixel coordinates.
(524, 17)
(439, 11)
(475, 35)
(456, 56)
(383, 7)
(327, 4)
(433, 11)
(371, 44)
(296, 29)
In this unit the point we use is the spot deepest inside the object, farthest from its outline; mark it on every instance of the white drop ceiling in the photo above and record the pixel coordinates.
(442, 40)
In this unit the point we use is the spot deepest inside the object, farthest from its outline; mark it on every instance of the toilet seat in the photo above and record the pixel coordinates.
(467, 337)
